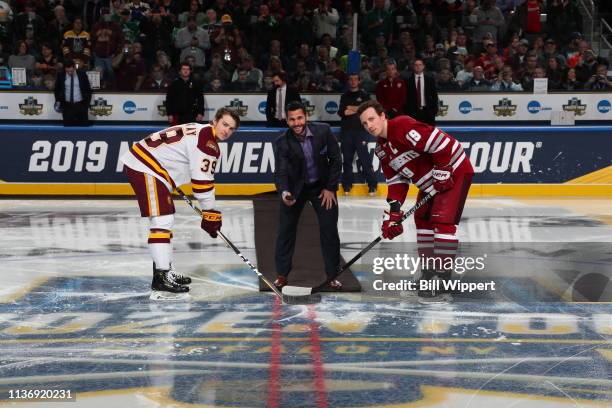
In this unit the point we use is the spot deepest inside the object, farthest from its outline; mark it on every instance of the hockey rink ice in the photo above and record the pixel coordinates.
(75, 314)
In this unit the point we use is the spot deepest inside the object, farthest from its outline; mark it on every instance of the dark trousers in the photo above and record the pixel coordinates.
(75, 114)
(287, 231)
(355, 141)
(425, 116)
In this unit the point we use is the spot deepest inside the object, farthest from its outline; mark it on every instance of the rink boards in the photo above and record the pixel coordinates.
(53, 160)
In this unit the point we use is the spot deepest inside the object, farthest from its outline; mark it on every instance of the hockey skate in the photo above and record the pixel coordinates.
(164, 288)
(176, 277)
(434, 293)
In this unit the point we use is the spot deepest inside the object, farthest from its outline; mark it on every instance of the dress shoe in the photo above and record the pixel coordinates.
(280, 282)
(335, 284)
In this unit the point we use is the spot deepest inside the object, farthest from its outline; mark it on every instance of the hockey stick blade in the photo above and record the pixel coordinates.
(301, 291)
(233, 248)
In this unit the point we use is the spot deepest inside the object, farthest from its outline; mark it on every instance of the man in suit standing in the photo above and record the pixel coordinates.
(307, 168)
(422, 100)
(73, 95)
(278, 99)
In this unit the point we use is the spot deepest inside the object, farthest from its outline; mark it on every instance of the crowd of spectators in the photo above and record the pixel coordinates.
(236, 45)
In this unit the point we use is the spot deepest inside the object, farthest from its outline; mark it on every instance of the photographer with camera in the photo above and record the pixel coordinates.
(599, 81)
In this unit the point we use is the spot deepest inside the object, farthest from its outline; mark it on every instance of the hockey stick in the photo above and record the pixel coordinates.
(294, 294)
(233, 248)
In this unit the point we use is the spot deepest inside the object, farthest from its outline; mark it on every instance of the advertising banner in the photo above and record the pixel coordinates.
(466, 107)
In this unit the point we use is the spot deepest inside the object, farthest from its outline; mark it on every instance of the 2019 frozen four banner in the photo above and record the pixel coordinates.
(500, 155)
(453, 107)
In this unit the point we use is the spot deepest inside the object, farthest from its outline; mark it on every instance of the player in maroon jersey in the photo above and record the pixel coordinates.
(412, 152)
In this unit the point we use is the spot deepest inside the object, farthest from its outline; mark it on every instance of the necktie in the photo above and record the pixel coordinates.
(418, 91)
(71, 88)
(279, 106)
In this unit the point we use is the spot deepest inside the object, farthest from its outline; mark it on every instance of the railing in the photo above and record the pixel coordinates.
(589, 9)
(604, 31)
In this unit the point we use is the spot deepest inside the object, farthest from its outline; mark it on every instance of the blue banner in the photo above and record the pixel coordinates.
(54, 154)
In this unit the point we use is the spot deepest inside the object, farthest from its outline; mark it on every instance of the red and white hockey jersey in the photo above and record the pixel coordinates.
(179, 155)
(410, 152)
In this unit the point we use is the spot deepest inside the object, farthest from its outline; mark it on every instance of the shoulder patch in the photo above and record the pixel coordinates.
(207, 142)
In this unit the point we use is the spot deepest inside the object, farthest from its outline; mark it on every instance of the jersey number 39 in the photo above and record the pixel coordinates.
(208, 165)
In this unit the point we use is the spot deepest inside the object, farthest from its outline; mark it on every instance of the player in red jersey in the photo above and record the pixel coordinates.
(183, 154)
(412, 152)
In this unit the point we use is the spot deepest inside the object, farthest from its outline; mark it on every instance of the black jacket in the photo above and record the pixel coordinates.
(60, 88)
(292, 95)
(350, 98)
(431, 96)
(185, 98)
(290, 165)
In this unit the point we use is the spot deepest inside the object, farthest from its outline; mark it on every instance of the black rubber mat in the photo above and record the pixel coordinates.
(308, 269)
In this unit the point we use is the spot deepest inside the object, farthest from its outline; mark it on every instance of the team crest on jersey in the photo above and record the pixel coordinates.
(238, 106)
(504, 108)
(30, 107)
(575, 105)
(211, 144)
(380, 152)
(442, 108)
(100, 107)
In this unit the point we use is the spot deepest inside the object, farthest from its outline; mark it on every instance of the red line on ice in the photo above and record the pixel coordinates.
(275, 357)
(317, 360)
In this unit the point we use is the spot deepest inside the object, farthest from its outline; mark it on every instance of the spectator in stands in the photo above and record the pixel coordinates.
(274, 50)
(58, 26)
(49, 82)
(77, 45)
(129, 27)
(550, 50)
(156, 80)
(526, 72)
(228, 42)
(222, 7)
(129, 68)
(428, 27)
(555, 73)
(139, 10)
(469, 18)
(184, 99)
(563, 18)
(421, 95)
(570, 82)
(156, 34)
(478, 82)
(162, 59)
(29, 25)
(528, 79)
(278, 99)
(489, 19)
(73, 95)
(254, 74)
(445, 82)
(245, 15)
(243, 83)
(403, 19)
(215, 86)
(6, 13)
(527, 18)
(274, 65)
(587, 65)
(297, 28)
(466, 74)
(265, 29)
(599, 81)
(192, 37)
(391, 91)
(334, 69)
(47, 62)
(367, 83)
(22, 59)
(106, 40)
(277, 10)
(217, 70)
(325, 19)
(194, 11)
(519, 57)
(504, 81)
(458, 62)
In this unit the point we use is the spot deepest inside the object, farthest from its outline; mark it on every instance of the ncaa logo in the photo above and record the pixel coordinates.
(331, 107)
(262, 107)
(129, 107)
(534, 107)
(604, 106)
(465, 107)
